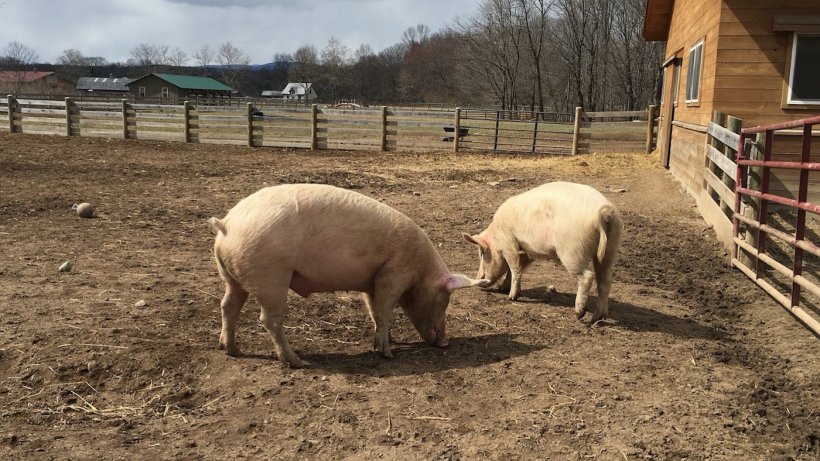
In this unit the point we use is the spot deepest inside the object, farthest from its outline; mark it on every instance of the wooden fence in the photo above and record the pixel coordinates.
(356, 128)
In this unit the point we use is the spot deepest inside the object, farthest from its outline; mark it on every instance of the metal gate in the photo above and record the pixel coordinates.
(759, 229)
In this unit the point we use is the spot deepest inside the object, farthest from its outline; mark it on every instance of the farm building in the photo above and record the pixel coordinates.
(172, 86)
(33, 82)
(300, 92)
(103, 85)
(756, 61)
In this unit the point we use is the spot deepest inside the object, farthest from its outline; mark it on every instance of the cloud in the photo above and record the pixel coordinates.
(229, 3)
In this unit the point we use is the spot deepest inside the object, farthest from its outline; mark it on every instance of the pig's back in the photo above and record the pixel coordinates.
(551, 213)
(318, 231)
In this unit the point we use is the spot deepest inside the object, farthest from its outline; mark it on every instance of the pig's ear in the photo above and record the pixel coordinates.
(456, 281)
(472, 239)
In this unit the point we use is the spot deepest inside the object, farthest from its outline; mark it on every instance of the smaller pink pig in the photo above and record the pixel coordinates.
(313, 238)
(572, 223)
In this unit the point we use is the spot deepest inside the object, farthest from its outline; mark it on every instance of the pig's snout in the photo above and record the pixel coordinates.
(436, 336)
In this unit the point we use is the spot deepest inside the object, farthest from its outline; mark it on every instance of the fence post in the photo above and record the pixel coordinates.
(384, 129)
(534, 133)
(68, 116)
(11, 103)
(250, 124)
(314, 112)
(124, 119)
(186, 111)
(495, 137)
(576, 131)
(720, 119)
(650, 128)
(752, 205)
(457, 129)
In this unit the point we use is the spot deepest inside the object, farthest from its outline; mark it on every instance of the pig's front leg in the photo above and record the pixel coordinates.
(507, 283)
(517, 262)
(380, 305)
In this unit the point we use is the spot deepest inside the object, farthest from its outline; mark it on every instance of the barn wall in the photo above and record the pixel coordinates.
(153, 87)
(752, 60)
(693, 20)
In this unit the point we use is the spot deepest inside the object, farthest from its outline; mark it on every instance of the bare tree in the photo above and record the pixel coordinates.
(148, 56)
(416, 34)
(17, 56)
(494, 53)
(365, 63)
(233, 63)
(534, 16)
(204, 56)
(306, 63)
(177, 57)
(335, 56)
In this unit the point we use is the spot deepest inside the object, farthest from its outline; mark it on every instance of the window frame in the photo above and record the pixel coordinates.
(141, 92)
(789, 101)
(695, 100)
(165, 93)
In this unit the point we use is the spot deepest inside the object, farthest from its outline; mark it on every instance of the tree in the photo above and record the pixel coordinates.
(204, 56)
(177, 58)
(149, 57)
(233, 63)
(17, 56)
(493, 51)
(415, 35)
(334, 59)
(305, 64)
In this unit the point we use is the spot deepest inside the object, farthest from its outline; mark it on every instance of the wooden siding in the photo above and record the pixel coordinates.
(752, 60)
(153, 88)
(692, 21)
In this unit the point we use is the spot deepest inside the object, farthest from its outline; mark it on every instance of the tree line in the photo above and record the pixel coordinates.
(544, 55)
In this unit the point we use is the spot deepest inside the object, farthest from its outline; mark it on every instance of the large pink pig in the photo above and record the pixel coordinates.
(572, 223)
(313, 238)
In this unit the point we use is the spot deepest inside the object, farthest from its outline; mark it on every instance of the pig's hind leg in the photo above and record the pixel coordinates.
(232, 303)
(274, 301)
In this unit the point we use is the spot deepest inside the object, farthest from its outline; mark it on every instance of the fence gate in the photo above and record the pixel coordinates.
(775, 223)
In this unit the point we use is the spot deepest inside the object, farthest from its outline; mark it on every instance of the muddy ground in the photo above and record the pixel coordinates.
(694, 363)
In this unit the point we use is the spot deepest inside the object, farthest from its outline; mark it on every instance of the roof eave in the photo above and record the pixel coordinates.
(656, 20)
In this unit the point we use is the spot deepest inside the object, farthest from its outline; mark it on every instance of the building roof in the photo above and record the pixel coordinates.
(271, 93)
(657, 19)
(298, 88)
(22, 76)
(103, 84)
(188, 82)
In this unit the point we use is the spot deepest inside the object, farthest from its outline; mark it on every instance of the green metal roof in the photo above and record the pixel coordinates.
(190, 82)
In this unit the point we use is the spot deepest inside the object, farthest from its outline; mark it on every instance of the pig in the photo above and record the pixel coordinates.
(573, 223)
(313, 238)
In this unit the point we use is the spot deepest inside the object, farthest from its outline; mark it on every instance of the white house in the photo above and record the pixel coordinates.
(299, 92)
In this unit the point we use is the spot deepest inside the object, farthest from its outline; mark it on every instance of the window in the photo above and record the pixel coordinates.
(165, 92)
(693, 73)
(141, 92)
(804, 87)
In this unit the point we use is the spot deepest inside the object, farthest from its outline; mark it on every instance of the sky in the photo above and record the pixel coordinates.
(260, 28)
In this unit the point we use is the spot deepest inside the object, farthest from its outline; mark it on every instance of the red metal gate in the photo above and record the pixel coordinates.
(758, 250)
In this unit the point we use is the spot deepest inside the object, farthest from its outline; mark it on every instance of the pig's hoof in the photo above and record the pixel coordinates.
(580, 313)
(513, 297)
(293, 362)
(230, 349)
(596, 319)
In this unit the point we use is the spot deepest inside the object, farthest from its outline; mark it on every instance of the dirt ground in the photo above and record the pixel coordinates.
(118, 357)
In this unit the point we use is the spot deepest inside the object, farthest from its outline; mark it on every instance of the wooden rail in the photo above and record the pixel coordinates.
(421, 127)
